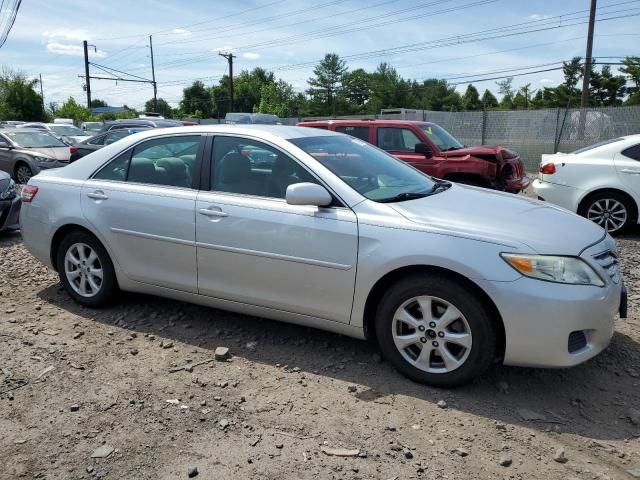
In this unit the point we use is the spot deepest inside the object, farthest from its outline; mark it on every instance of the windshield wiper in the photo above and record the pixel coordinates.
(401, 197)
(439, 185)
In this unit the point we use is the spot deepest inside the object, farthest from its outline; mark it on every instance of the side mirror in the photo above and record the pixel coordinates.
(424, 149)
(5, 145)
(308, 194)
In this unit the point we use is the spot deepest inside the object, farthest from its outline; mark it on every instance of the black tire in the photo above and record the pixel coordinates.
(22, 173)
(483, 347)
(628, 205)
(109, 285)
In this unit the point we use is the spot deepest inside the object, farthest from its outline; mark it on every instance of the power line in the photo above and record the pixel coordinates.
(10, 13)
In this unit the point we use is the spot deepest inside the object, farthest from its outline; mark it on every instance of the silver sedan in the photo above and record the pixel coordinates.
(322, 229)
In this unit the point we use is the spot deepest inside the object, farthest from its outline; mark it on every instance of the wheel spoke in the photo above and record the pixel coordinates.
(82, 254)
(92, 283)
(426, 308)
(404, 316)
(451, 314)
(423, 361)
(450, 362)
(596, 208)
(93, 256)
(403, 341)
(73, 274)
(83, 285)
(462, 339)
(96, 272)
(72, 258)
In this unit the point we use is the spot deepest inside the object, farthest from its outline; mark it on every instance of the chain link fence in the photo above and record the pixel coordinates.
(528, 132)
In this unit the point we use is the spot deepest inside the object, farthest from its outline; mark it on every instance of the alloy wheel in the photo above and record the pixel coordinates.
(431, 334)
(23, 174)
(83, 269)
(609, 213)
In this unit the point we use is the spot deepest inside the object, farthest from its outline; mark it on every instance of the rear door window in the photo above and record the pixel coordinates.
(355, 131)
(632, 152)
(393, 139)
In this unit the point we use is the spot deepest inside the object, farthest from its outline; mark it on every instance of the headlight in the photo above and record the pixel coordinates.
(44, 159)
(554, 269)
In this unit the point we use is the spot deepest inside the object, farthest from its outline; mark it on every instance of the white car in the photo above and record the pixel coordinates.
(600, 182)
(332, 233)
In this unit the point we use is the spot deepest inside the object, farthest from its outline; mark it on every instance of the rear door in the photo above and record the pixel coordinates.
(256, 249)
(142, 204)
(401, 142)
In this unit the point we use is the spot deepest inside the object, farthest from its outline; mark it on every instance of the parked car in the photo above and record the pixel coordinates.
(138, 122)
(338, 235)
(65, 132)
(11, 123)
(25, 152)
(434, 151)
(252, 118)
(63, 121)
(98, 141)
(91, 127)
(600, 182)
(9, 203)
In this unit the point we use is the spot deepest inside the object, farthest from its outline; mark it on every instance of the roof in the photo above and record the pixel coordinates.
(364, 121)
(280, 131)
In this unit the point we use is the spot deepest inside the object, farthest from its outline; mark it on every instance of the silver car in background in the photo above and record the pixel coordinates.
(332, 233)
(25, 152)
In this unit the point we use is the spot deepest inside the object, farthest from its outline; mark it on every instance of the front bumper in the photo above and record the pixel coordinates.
(541, 319)
(10, 214)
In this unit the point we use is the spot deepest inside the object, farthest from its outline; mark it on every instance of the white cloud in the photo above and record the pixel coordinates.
(539, 16)
(71, 49)
(222, 49)
(251, 56)
(181, 31)
(546, 81)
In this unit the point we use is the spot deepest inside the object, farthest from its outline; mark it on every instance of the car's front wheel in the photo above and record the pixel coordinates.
(612, 211)
(435, 331)
(23, 173)
(85, 269)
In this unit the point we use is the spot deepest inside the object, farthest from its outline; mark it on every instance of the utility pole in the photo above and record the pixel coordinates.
(86, 74)
(41, 92)
(230, 57)
(586, 78)
(153, 78)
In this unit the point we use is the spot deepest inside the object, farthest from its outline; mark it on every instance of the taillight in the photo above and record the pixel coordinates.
(548, 168)
(73, 149)
(28, 193)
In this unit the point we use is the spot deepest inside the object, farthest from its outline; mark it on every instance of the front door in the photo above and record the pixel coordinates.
(401, 143)
(254, 248)
(142, 204)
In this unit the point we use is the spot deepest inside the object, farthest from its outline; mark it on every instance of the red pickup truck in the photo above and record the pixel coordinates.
(431, 149)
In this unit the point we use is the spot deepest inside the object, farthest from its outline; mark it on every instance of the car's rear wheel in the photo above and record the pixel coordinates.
(85, 269)
(612, 211)
(23, 173)
(435, 331)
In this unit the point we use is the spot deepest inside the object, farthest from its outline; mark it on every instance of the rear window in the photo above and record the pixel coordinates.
(355, 131)
(596, 145)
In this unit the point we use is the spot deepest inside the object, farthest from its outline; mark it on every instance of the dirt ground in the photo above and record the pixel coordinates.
(78, 383)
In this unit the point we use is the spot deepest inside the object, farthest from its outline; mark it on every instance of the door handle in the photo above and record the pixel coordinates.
(213, 212)
(631, 171)
(97, 195)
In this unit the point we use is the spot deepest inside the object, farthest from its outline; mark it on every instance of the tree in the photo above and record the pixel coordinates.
(356, 88)
(471, 99)
(326, 82)
(72, 109)
(489, 100)
(573, 71)
(278, 98)
(18, 97)
(96, 103)
(196, 101)
(606, 89)
(632, 70)
(163, 107)
(505, 87)
(248, 87)
(523, 97)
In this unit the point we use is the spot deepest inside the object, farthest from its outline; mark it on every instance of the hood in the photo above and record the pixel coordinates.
(486, 152)
(59, 153)
(503, 218)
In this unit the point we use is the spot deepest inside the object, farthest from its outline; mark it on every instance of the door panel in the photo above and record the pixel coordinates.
(150, 230)
(265, 252)
(628, 170)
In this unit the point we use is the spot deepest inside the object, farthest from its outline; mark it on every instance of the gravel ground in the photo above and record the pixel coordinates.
(86, 393)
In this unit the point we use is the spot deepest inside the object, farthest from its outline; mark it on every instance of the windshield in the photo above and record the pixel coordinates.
(34, 139)
(370, 171)
(440, 137)
(266, 119)
(67, 130)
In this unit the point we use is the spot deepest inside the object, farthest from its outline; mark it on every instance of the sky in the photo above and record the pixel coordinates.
(459, 40)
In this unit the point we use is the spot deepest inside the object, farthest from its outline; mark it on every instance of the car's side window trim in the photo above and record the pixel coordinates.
(633, 149)
(209, 156)
(129, 152)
